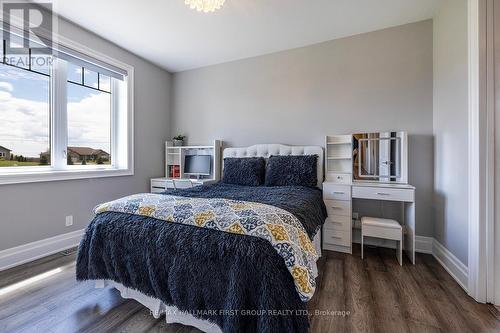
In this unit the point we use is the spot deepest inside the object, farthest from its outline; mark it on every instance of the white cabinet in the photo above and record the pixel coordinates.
(337, 230)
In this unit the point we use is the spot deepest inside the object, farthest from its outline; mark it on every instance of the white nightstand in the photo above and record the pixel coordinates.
(159, 185)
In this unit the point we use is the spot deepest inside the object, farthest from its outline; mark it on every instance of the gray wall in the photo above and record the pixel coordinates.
(376, 81)
(450, 127)
(35, 211)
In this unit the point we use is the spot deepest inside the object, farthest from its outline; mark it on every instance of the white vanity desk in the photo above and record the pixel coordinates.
(383, 153)
(337, 230)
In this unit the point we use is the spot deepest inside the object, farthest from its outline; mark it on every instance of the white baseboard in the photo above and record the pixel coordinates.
(451, 264)
(457, 269)
(424, 244)
(25, 253)
(28, 252)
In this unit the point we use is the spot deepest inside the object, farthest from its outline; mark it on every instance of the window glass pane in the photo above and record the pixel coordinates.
(104, 83)
(24, 118)
(74, 73)
(90, 78)
(15, 53)
(41, 63)
(89, 126)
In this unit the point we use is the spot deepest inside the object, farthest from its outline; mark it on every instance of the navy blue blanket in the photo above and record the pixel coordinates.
(305, 203)
(240, 279)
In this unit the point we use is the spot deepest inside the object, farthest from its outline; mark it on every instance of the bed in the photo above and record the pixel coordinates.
(215, 281)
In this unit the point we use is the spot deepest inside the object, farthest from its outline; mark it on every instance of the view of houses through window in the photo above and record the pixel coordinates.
(25, 115)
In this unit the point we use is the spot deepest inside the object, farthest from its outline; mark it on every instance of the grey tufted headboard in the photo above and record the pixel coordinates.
(266, 150)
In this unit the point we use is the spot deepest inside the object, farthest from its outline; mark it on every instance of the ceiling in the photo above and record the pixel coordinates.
(169, 34)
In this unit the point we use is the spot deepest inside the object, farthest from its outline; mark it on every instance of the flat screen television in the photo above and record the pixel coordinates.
(198, 165)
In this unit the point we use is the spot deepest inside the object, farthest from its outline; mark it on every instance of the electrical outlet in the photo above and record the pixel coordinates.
(69, 220)
(355, 215)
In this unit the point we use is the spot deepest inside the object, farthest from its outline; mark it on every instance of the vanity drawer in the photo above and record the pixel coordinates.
(341, 178)
(336, 192)
(383, 193)
(338, 207)
(336, 237)
(338, 222)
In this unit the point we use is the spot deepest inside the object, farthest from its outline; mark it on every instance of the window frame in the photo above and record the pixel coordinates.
(122, 127)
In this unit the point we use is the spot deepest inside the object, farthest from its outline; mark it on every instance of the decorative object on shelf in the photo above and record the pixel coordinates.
(178, 140)
(205, 6)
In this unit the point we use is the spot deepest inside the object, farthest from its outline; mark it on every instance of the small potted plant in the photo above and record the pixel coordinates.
(179, 140)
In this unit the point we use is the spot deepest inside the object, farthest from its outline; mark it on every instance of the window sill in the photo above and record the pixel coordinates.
(52, 175)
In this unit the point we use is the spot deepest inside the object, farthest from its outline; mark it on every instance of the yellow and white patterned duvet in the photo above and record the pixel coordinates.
(279, 227)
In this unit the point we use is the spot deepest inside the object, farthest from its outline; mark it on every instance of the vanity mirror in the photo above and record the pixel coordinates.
(380, 157)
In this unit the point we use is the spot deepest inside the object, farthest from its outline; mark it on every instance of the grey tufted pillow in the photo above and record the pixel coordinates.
(292, 170)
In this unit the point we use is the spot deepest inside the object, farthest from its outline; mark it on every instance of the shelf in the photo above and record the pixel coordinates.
(174, 153)
(338, 143)
(338, 140)
(339, 158)
(191, 147)
(329, 172)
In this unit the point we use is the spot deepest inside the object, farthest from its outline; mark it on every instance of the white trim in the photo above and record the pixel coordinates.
(477, 121)
(424, 244)
(36, 177)
(457, 269)
(490, 153)
(59, 126)
(28, 252)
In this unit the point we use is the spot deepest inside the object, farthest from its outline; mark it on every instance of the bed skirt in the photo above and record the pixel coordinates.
(172, 314)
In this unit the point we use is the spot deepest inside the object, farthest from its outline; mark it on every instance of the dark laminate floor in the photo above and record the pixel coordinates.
(379, 295)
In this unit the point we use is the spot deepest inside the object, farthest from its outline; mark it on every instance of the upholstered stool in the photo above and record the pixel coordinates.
(382, 228)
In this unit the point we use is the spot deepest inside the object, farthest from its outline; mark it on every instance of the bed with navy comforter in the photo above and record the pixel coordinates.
(237, 281)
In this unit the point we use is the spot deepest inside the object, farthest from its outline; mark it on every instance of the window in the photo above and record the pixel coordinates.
(64, 116)
(24, 110)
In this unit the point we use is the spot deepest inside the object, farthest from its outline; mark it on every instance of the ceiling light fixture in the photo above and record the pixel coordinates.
(205, 6)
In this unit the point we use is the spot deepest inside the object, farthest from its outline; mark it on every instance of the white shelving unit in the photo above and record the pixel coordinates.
(175, 155)
(337, 230)
(174, 158)
(338, 161)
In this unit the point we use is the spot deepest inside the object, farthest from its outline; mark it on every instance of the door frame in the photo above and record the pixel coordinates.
(478, 152)
(483, 233)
